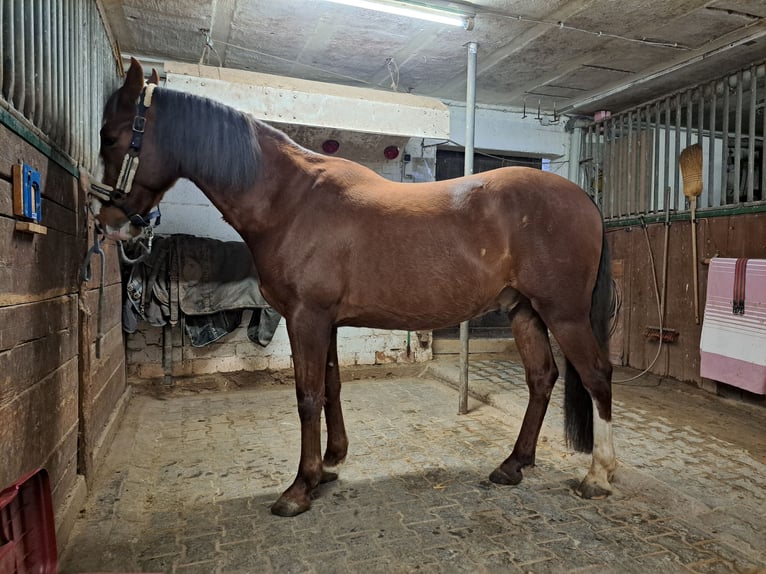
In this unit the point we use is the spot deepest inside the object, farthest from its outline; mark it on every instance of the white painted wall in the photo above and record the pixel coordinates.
(508, 131)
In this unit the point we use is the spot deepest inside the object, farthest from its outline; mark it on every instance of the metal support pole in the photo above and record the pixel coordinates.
(470, 128)
(573, 168)
(167, 355)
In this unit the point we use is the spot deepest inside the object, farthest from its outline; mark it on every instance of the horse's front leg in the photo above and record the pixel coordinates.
(337, 441)
(310, 337)
(533, 344)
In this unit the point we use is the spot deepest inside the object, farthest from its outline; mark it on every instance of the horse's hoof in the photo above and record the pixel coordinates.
(328, 476)
(499, 476)
(592, 491)
(287, 507)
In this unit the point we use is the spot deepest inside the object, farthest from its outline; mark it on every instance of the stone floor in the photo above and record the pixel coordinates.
(187, 485)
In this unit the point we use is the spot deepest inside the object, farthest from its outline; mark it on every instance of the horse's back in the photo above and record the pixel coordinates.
(454, 248)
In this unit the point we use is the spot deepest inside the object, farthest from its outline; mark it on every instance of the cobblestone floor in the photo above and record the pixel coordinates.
(187, 487)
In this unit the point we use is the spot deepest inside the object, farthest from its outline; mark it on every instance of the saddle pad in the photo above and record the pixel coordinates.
(733, 346)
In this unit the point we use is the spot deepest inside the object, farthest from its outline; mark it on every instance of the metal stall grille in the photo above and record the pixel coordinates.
(629, 161)
(58, 67)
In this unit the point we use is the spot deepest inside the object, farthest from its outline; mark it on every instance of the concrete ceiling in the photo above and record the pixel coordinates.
(577, 55)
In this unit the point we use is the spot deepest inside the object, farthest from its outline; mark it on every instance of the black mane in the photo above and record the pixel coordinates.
(212, 142)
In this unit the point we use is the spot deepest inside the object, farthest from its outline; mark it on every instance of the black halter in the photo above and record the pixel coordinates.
(115, 195)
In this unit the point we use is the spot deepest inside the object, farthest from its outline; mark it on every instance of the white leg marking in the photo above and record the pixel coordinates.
(596, 483)
(333, 467)
(603, 445)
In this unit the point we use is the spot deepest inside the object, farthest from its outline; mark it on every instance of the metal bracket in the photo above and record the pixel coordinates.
(26, 192)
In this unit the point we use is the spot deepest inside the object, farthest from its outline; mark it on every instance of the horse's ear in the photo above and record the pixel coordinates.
(134, 83)
(155, 77)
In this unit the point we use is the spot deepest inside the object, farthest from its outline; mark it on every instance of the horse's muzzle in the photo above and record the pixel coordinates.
(105, 198)
(121, 231)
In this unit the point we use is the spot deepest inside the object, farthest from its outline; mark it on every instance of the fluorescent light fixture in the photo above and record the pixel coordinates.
(414, 10)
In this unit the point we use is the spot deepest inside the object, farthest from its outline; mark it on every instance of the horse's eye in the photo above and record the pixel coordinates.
(108, 142)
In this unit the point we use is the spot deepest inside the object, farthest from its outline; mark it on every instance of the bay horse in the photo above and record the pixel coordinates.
(335, 244)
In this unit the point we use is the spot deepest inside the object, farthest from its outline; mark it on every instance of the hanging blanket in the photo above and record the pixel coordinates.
(733, 343)
(206, 282)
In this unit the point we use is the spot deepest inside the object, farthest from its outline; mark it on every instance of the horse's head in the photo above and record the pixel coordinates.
(135, 178)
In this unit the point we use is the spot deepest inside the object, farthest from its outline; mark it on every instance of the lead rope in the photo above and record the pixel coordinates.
(86, 274)
(147, 249)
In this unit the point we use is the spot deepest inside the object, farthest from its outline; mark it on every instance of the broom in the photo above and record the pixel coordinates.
(690, 161)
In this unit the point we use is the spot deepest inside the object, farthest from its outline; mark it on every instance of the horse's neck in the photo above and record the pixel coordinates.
(257, 209)
(283, 159)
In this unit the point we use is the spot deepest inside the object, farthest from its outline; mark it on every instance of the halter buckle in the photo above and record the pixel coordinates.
(139, 122)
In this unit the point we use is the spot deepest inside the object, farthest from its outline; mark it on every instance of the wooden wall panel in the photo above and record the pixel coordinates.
(616, 340)
(37, 267)
(36, 320)
(89, 305)
(14, 149)
(684, 362)
(58, 185)
(6, 198)
(36, 422)
(102, 380)
(56, 399)
(63, 460)
(730, 236)
(25, 364)
(103, 371)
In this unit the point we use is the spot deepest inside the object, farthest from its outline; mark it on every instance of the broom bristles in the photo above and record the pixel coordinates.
(691, 170)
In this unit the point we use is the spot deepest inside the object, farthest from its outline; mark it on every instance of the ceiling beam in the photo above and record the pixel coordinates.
(220, 25)
(304, 102)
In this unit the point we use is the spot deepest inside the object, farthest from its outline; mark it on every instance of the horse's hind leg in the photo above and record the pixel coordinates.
(337, 441)
(594, 374)
(531, 337)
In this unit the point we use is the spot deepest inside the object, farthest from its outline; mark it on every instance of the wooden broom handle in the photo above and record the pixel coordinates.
(695, 286)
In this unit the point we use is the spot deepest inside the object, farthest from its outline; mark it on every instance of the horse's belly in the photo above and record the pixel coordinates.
(438, 308)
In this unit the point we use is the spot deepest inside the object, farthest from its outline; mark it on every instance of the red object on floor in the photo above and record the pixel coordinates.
(27, 528)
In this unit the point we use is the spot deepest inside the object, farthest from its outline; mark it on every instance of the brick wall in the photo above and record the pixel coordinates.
(236, 352)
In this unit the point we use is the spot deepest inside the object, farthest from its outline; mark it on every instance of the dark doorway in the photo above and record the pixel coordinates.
(450, 164)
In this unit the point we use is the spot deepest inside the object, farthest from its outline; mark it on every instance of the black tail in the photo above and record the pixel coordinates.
(578, 406)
